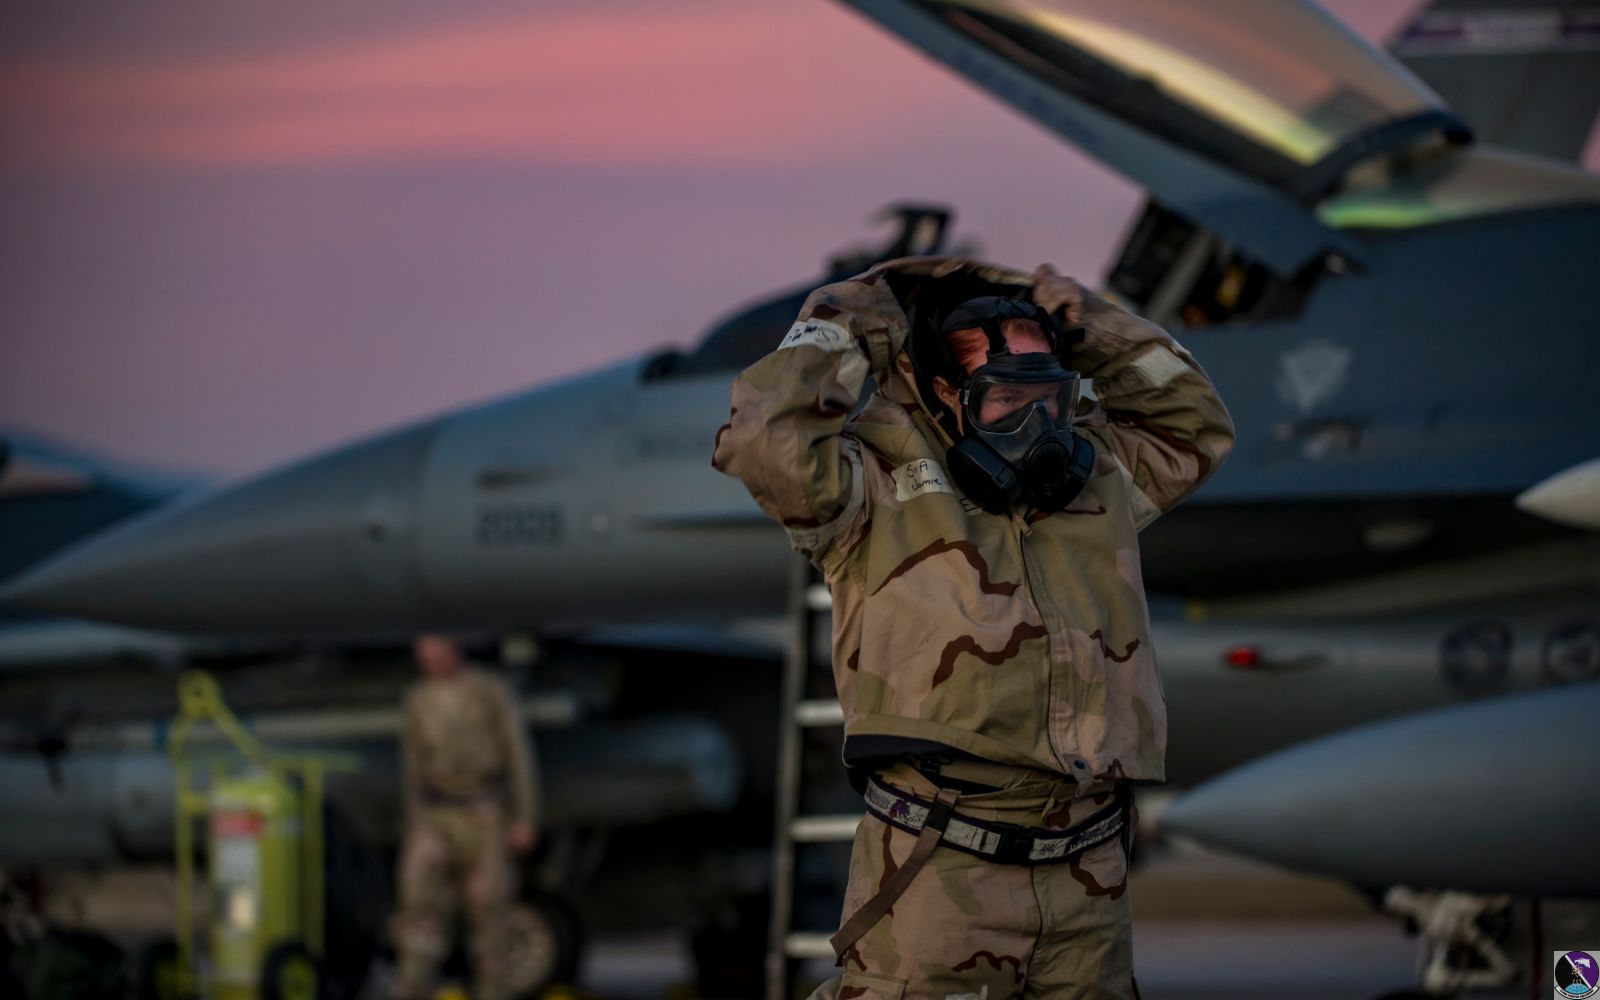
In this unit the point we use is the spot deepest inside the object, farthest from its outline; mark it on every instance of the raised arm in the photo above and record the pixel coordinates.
(1164, 419)
(784, 437)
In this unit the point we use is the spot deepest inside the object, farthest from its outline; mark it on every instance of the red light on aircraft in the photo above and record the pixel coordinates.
(1244, 657)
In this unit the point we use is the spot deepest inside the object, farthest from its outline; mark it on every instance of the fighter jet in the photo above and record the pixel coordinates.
(1351, 268)
(1398, 316)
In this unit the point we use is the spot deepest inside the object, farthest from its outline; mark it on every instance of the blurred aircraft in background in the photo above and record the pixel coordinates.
(1398, 316)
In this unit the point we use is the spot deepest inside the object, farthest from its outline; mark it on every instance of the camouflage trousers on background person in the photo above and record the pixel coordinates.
(971, 928)
(453, 853)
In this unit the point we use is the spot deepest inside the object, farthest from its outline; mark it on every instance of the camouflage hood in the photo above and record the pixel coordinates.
(1020, 638)
(924, 289)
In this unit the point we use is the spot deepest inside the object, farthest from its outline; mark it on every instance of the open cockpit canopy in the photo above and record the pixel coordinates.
(1240, 116)
(1270, 88)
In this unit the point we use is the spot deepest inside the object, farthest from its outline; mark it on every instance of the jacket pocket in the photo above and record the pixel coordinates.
(860, 986)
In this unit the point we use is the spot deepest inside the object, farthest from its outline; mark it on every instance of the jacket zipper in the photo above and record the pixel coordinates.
(1020, 530)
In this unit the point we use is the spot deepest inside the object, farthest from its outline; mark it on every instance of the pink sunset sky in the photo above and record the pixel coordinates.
(235, 233)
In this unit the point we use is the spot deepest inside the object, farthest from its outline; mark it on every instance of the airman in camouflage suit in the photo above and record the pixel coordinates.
(1013, 646)
(470, 803)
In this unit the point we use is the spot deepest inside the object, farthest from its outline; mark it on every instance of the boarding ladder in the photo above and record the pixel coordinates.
(809, 706)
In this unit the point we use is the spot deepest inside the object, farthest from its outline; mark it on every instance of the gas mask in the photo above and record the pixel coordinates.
(1018, 446)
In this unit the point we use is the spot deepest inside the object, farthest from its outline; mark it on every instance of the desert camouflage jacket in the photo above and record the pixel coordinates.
(1021, 639)
(464, 736)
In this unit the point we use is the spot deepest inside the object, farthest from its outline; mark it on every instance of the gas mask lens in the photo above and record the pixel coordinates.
(1000, 404)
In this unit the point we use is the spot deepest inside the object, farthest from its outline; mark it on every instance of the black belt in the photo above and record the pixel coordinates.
(937, 824)
(1005, 843)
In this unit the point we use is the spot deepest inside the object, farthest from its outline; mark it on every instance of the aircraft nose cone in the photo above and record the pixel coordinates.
(1477, 797)
(327, 544)
(1570, 497)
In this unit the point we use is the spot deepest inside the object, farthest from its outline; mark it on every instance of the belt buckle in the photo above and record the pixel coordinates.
(1016, 845)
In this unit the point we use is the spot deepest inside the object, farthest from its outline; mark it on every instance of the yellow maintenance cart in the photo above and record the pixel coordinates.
(261, 813)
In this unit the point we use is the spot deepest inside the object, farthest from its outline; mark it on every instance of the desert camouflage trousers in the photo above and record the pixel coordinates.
(453, 853)
(971, 928)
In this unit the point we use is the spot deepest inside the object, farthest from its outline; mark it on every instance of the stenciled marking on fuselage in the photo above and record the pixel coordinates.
(1312, 373)
(518, 525)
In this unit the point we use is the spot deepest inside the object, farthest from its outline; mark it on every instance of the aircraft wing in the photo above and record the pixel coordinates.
(1241, 124)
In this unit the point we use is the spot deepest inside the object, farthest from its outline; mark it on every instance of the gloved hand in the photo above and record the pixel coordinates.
(1057, 293)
